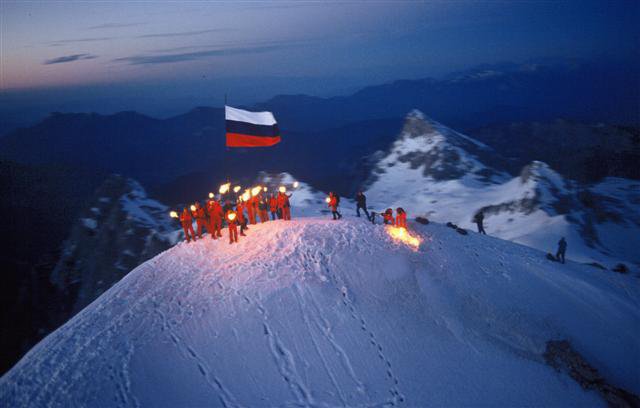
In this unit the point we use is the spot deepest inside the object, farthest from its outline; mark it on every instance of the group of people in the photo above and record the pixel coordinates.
(215, 213)
(400, 220)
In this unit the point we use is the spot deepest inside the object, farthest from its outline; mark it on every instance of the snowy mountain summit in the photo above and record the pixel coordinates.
(314, 312)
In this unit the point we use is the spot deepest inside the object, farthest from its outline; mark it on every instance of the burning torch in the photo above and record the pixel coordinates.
(224, 188)
(255, 191)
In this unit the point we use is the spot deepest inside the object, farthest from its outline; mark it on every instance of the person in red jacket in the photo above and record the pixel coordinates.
(187, 226)
(401, 218)
(201, 218)
(333, 204)
(256, 208)
(387, 217)
(232, 223)
(251, 210)
(262, 207)
(241, 219)
(215, 218)
(273, 206)
(286, 207)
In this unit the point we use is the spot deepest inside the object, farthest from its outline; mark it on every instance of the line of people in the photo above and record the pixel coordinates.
(214, 215)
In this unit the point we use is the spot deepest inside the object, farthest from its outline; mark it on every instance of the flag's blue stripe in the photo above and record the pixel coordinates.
(245, 128)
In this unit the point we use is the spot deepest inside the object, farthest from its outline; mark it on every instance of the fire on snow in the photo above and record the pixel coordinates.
(402, 235)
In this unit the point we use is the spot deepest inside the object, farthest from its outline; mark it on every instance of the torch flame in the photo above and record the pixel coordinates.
(224, 188)
(246, 196)
(401, 234)
(193, 207)
(210, 195)
(236, 189)
(264, 189)
(327, 200)
(255, 191)
(173, 214)
(282, 189)
(231, 216)
(295, 184)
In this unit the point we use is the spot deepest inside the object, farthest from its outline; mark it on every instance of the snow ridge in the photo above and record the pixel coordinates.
(314, 312)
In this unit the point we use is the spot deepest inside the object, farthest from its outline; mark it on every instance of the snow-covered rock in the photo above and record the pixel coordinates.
(436, 172)
(314, 312)
(121, 228)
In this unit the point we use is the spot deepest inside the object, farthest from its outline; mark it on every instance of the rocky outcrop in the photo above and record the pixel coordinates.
(120, 229)
(560, 355)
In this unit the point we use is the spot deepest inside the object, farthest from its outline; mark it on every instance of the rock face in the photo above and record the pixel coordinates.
(438, 153)
(580, 151)
(120, 229)
(440, 174)
(560, 355)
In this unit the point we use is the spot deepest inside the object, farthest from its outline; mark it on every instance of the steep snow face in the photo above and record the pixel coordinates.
(120, 228)
(536, 208)
(313, 312)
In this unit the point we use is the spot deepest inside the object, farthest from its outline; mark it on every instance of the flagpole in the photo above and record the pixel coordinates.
(226, 160)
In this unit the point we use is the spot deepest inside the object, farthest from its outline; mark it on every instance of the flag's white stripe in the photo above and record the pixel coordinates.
(257, 118)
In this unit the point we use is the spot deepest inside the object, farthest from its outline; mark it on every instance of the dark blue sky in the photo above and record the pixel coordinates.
(160, 57)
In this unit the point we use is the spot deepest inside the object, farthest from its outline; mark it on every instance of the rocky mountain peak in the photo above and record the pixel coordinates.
(540, 172)
(118, 229)
(438, 152)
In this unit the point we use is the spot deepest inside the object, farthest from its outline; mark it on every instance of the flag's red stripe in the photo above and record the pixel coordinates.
(240, 140)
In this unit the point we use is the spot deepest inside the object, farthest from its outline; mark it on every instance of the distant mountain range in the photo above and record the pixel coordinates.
(328, 140)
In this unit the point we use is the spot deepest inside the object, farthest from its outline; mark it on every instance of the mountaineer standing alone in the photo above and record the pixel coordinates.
(479, 220)
(562, 249)
(361, 203)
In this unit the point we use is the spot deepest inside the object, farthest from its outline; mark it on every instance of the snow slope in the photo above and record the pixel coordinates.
(436, 172)
(320, 313)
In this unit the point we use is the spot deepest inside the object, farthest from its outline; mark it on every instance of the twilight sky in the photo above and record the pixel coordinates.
(122, 53)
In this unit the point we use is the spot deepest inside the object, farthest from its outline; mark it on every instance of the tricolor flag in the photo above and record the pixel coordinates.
(250, 129)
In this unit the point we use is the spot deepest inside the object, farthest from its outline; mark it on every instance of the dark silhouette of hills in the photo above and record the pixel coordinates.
(584, 91)
(325, 137)
(39, 205)
(582, 152)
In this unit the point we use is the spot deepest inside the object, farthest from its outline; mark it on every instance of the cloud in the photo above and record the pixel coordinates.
(183, 33)
(57, 43)
(78, 40)
(69, 58)
(113, 25)
(190, 56)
